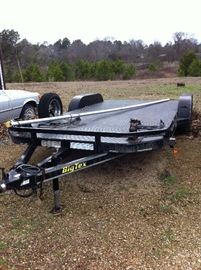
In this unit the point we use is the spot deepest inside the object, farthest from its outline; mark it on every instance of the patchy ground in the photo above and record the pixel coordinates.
(138, 212)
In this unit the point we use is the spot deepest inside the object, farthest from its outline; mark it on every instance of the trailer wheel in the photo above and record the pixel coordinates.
(50, 105)
(184, 113)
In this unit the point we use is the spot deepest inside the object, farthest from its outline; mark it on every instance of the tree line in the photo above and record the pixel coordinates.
(98, 60)
(82, 70)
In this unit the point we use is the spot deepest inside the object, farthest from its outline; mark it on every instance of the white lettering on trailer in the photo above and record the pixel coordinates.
(25, 182)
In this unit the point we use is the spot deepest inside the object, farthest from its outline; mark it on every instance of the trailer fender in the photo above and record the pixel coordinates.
(184, 113)
(81, 101)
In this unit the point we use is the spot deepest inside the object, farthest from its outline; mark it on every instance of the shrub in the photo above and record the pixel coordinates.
(152, 67)
(118, 67)
(93, 68)
(104, 71)
(55, 72)
(82, 70)
(33, 74)
(68, 72)
(155, 66)
(16, 77)
(8, 75)
(129, 71)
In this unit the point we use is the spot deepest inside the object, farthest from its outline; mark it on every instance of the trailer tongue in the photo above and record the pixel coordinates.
(99, 131)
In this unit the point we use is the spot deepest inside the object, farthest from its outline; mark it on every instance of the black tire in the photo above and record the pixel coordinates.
(50, 105)
(28, 112)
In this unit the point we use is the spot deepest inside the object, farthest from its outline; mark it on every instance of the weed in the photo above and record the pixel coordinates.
(167, 178)
(3, 245)
(3, 261)
(179, 195)
(168, 235)
(170, 180)
(159, 253)
(165, 209)
(19, 222)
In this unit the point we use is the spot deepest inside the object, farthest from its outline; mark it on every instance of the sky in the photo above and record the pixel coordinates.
(149, 20)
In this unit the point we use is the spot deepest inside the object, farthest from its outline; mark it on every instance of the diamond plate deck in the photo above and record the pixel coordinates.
(120, 121)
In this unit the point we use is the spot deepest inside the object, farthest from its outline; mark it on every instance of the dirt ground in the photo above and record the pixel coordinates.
(138, 212)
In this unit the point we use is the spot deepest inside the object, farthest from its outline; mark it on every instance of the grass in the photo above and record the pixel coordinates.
(174, 191)
(172, 90)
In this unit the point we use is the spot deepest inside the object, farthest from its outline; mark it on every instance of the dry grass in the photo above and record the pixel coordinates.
(139, 212)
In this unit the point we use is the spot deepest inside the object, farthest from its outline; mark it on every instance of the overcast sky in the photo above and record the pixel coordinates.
(149, 20)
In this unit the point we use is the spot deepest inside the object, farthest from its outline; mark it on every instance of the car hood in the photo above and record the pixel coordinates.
(22, 93)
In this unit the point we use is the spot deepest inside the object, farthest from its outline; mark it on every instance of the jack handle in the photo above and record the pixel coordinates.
(2, 177)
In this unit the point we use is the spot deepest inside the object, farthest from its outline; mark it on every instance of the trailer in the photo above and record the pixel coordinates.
(96, 129)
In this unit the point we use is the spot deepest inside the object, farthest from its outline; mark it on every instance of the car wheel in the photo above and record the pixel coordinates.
(28, 112)
(50, 105)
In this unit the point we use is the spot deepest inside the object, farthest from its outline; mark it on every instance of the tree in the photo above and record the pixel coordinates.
(62, 44)
(65, 43)
(87, 61)
(182, 43)
(154, 51)
(8, 40)
(77, 51)
(195, 68)
(185, 63)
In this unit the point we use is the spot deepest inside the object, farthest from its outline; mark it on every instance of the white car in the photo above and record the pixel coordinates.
(18, 104)
(15, 104)
(24, 105)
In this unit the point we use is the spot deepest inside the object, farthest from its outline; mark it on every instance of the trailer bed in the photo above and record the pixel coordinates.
(110, 129)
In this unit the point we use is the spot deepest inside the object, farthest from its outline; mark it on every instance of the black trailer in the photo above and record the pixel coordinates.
(100, 130)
